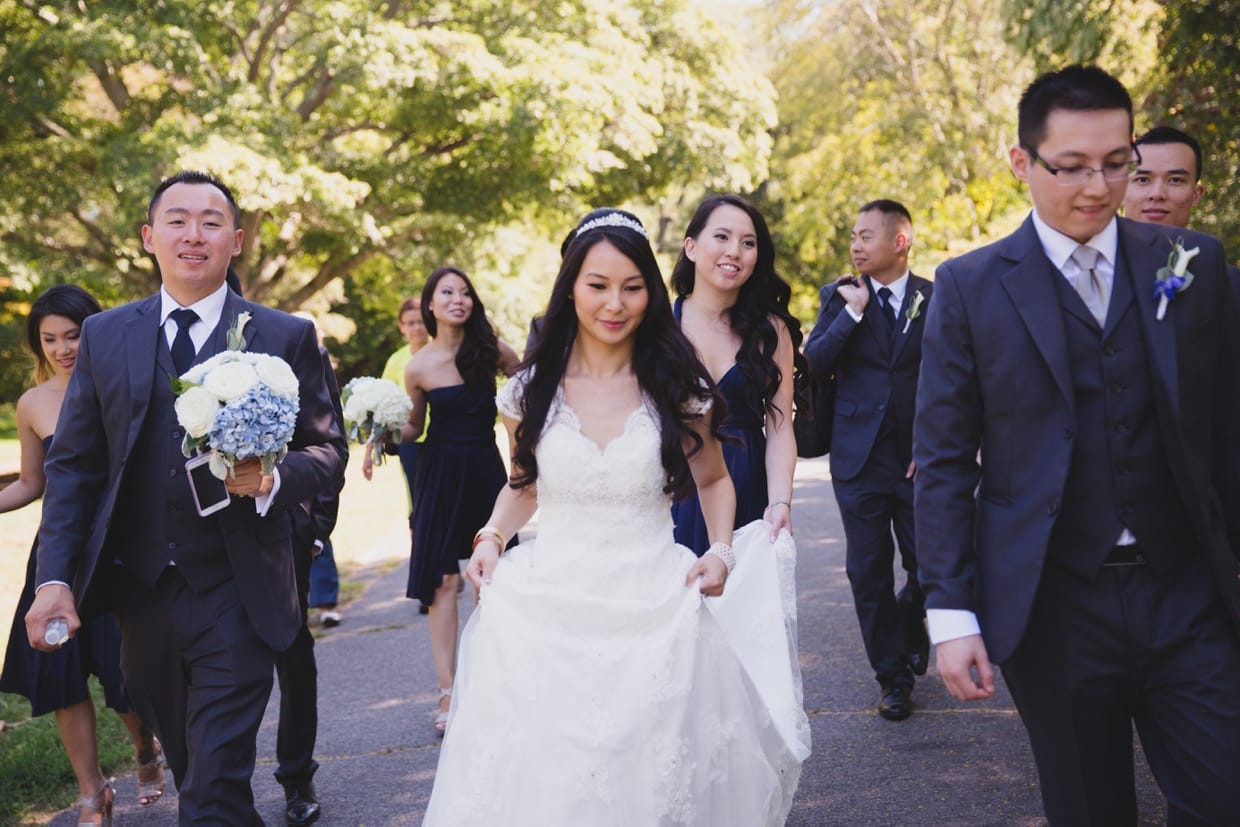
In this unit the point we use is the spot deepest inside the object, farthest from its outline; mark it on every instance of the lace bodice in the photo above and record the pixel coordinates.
(600, 496)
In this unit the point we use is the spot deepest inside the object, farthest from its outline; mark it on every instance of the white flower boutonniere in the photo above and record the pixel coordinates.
(914, 310)
(1174, 278)
(236, 337)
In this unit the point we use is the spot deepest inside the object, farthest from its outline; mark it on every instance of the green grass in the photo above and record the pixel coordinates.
(8, 420)
(35, 776)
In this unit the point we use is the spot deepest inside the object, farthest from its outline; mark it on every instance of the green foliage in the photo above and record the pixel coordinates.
(355, 132)
(1181, 61)
(35, 775)
(8, 420)
(1194, 89)
(911, 101)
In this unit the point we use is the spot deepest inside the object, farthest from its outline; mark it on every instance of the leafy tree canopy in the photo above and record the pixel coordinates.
(365, 139)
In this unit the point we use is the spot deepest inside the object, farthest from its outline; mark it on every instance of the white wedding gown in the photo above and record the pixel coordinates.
(595, 688)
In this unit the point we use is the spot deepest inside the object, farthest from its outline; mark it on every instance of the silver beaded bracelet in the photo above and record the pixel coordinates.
(724, 552)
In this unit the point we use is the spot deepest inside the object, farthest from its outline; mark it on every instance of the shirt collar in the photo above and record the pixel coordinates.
(898, 287)
(1059, 247)
(209, 308)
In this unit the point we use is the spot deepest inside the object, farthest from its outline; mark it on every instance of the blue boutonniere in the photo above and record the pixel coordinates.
(1174, 278)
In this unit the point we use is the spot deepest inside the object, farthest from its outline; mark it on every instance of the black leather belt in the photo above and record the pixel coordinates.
(1130, 555)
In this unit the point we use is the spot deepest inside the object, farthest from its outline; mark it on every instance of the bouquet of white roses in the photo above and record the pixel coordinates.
(239, 404)
(375, 409)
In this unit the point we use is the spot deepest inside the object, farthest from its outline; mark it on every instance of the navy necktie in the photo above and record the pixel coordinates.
(183, 346)
(884, 303)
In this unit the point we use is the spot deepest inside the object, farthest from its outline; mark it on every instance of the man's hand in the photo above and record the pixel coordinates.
(965, 668)
(53, 600)
(247, 479)
(854, 292)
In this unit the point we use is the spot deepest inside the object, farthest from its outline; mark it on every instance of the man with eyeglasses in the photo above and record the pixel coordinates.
(1076, 499)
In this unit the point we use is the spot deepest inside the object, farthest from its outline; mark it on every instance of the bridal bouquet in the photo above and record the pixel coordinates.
(375, 409)
(239, 404)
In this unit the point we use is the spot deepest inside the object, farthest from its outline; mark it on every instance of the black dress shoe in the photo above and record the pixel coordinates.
(919, 661)
(301, 806)
(896, 703)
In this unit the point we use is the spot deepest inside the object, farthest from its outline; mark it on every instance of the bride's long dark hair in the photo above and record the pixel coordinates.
(666, 366)
(477, 359)
(763, 296)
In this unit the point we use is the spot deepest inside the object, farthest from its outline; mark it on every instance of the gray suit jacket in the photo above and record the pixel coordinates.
(102, 415)
(995, 379)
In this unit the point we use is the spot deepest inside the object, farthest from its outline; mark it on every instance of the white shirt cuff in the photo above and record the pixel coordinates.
(263, 503)
(52, 583)
(856, 317)
(949, 624)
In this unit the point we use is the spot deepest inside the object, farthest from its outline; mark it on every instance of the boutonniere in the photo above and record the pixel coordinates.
(236, 333)
(914, 310)
(1174, 278)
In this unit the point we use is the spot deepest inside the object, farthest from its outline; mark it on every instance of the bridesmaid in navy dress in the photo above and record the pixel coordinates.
(733, 307)
(459, 471)
(56, 681)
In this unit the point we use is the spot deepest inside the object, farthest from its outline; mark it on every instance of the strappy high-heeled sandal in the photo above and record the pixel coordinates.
(151, 791)
(441, 720)
(101, 802)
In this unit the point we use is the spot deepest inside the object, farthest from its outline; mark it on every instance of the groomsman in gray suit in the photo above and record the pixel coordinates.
(205, 602)
(1077, 453)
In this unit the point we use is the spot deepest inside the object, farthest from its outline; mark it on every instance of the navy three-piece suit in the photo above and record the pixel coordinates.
(198, 637)
(875, 363)
(1043, 441)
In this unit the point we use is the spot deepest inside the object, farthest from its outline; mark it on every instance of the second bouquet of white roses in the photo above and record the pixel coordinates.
(375, 409)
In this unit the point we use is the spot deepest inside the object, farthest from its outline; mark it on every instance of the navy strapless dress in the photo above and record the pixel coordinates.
(745, 458)
(55, 680)
(460, 473)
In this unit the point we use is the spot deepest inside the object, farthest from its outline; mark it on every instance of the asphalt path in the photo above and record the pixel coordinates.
(949, 764)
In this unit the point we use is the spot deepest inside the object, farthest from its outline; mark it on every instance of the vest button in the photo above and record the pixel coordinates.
(1117, 388)
(172, 472)
(1068, 433)
(1108, 351)
(171, 546)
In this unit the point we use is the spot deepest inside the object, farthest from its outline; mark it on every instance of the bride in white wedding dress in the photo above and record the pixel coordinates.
(603, 680)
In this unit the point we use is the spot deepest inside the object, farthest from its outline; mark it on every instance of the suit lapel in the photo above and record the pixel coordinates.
(1031, 287)
(1139, 260)
(141, 358)
(915, 284)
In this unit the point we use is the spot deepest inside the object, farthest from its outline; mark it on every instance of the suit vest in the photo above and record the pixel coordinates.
(158, 522)
(1119, 477)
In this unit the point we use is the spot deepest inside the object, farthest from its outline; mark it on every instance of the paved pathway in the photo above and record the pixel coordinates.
(950, 764)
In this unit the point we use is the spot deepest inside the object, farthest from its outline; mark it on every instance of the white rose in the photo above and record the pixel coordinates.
(229, 381)
(196, 409)
(277, 375)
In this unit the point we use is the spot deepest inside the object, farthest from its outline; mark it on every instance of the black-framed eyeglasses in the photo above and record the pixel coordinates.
(1075, 176)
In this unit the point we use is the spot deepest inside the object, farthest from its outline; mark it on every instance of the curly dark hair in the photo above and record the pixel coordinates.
(762, 296)
(66, 300)
(477, 359)
(667, 368)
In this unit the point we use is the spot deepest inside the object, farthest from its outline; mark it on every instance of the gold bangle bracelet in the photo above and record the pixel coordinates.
(490, 532)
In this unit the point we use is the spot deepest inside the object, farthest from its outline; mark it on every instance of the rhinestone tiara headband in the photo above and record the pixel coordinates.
(612, 219)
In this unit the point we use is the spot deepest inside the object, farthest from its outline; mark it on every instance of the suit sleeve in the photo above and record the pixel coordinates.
(830, 334)
(326, 506)
(947, 432)
(76, 468)
(318, 451)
